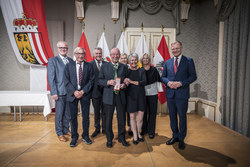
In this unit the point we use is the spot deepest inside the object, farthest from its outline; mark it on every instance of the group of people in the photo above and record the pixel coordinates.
(119, 84)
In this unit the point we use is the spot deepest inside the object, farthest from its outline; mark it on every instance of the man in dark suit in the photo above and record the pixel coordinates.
(58, 92)
(178, 73)
(97, 93)
(109, 76)
(79, 78)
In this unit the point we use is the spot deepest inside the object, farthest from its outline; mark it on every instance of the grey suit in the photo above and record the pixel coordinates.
(111, 100)
(55, 70)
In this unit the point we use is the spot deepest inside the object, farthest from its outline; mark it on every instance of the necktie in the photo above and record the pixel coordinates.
(175, 65)
(98, 65)
(80, 74)
(115, 66)
(65, 60)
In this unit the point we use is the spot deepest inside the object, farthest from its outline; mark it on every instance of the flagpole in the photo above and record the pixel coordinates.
(103, 28)
(141, 27)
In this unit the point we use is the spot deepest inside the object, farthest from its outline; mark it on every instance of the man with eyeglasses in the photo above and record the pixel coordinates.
(79, 79)
(58, 92)
(111, 78)
(178, 73)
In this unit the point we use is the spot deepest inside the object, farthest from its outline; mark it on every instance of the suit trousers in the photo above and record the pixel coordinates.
(179, 106)
(85, 104)
(109, 111)
(62, 115)
(149, 119)
(99, 113)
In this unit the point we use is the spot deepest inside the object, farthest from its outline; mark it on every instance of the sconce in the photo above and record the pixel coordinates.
(79, 10)
(115, 10)
(185, 5)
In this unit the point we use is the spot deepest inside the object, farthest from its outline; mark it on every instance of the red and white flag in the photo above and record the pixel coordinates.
(161, 55)
(84, 44)
(27, 29)
(105, 50)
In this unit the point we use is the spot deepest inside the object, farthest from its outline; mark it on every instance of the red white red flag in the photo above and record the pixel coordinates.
(161, 55)
(27, 29)
(84, 44)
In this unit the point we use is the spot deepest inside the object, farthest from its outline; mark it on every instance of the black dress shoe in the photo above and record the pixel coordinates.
(151, 136)
(135, 142)
(141, 139)
(172, 141)
(73, 143)
(109, 144)
(124, 143)
(87, 140)
(95, 133)
(182, 145)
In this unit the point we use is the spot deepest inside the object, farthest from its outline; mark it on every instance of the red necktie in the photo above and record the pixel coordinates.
(80, 74)
(175, 65)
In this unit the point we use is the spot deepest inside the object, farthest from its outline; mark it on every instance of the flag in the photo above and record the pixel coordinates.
(122, 45)
(161, 55)
(84, 44)
(141, 47)
(27, 29)
(105, 50)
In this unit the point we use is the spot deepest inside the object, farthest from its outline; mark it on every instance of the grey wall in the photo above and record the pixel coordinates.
(199, 36)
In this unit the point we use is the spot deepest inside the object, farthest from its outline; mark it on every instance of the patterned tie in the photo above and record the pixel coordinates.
(175, 65)
(80, 74)
(98, 65)
(65, 60)
(115, 66)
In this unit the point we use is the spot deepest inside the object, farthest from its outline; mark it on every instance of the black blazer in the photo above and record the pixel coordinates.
(107, 72)
(97, 90)
(70, 80)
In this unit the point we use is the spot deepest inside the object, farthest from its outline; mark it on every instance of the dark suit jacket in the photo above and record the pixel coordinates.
(70, 80)
(97, 90)
(55, 70)
(107, 72)
(186, 74)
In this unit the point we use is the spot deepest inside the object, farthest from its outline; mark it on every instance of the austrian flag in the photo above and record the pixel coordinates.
(27, 30)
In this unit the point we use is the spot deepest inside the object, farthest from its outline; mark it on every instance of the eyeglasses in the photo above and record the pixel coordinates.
(63, 48)
(80, 53)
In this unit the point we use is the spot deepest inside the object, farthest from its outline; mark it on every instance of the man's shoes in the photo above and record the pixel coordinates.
(123, 141)
(87, 140)
(62, 138)
(103, 132)
(109, 144)
(182, 145)
(73, 143)
(67, 134)
(172, 141)
(151, 136)
(95, 133)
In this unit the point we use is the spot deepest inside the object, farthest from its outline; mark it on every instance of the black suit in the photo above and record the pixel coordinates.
(111, 100)
(97, 98)
(70, 81)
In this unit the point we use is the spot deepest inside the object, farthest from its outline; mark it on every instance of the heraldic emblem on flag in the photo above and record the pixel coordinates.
(27, 29)
(29, 41)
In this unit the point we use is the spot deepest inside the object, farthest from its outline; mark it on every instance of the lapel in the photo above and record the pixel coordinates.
(73, 69)
(171, 64)
(181, 64)
(60, 61)
(84, 71)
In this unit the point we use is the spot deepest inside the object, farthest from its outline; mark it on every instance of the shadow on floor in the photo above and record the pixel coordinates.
(203, 155)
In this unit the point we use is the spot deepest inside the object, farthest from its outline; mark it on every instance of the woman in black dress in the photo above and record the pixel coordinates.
(149, 121)
(136, 99)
